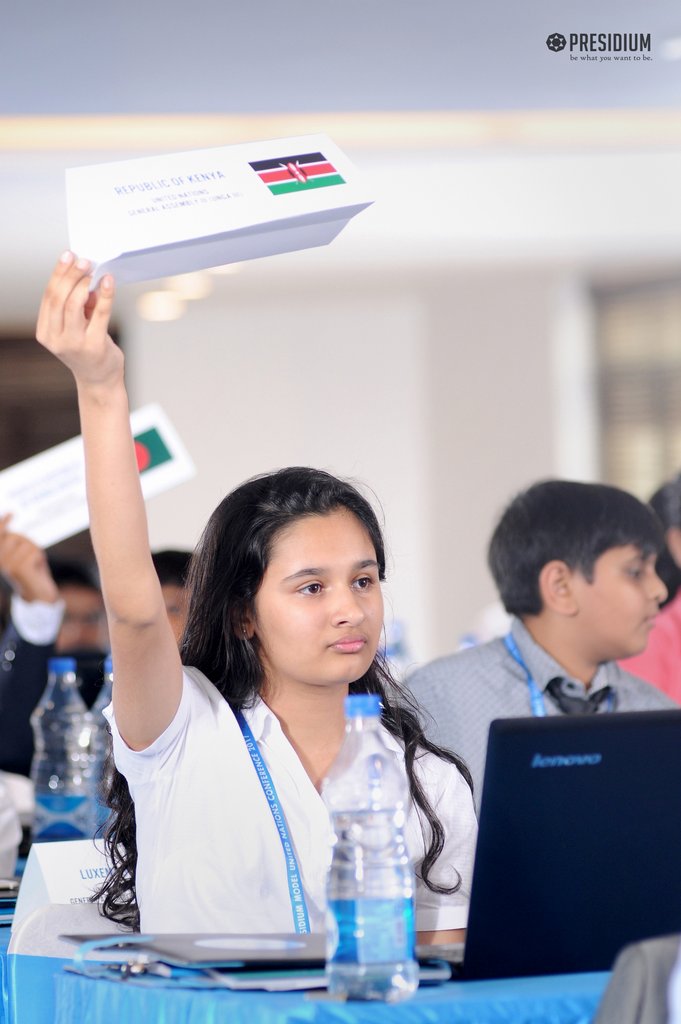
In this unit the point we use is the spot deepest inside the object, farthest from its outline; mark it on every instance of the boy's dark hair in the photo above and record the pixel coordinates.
(71, 573)
(572, 522)
(171, 566)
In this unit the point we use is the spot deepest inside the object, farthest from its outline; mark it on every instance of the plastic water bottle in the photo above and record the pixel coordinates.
(100, 742)
(370, 885)
(61, 767)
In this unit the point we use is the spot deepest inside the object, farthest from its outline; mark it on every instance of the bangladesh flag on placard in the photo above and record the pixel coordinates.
(151, 450)
(297, 173)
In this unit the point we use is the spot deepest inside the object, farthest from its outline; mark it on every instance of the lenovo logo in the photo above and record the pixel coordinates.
(564, 760)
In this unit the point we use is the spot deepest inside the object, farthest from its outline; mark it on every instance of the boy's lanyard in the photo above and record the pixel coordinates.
(536, 696)
(295, 882)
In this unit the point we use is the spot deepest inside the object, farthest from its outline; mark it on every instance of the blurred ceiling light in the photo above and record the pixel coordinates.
(402, 130)
(190, 287)
(671, 48)
(160, 305)
(226, 269)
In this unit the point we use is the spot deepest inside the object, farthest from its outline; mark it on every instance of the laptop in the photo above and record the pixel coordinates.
(277, 961)
(578, 853)
(579, 847)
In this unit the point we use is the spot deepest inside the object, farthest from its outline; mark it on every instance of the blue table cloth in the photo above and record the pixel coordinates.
(4, 942)
(564, 999)
(29, 983)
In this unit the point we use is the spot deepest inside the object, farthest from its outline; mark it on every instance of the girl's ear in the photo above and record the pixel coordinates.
(556, 587)
(243, 626)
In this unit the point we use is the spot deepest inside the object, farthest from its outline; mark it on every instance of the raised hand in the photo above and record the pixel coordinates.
(73, 323)
(24, 566)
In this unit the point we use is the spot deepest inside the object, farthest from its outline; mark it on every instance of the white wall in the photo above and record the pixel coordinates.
(490, 427)
(430, 388)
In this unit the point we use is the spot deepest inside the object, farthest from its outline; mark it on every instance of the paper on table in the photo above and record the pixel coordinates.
(164, 215)
(46, 493)
(68, 872)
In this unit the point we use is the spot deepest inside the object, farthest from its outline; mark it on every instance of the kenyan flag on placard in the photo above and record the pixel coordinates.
(297, 173)
(150, 450)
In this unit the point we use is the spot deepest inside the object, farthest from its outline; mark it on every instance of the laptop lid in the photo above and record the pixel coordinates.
(253, 954)
(579, 848)
(242, 950)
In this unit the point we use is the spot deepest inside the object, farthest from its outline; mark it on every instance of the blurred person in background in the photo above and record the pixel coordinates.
(56, 608)
(171, 568)
(660, 662)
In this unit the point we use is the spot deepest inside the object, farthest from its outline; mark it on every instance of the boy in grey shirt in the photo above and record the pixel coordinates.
(574, 564)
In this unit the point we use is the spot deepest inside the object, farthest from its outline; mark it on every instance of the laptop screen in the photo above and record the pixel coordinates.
(579, 849)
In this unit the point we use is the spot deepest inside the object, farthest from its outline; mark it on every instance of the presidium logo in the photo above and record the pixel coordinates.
(297, 173)
(602, 45)
(556, 42)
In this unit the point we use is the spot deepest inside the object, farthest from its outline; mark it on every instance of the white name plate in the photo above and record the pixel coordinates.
(164, 215)
(61, 872)
(46, 493)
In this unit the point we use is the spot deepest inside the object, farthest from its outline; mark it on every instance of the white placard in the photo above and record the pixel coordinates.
(61, 872)
(164, 215)
(46, 493)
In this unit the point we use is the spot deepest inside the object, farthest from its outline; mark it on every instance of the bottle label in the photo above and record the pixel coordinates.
(61, 817)
(371, 931)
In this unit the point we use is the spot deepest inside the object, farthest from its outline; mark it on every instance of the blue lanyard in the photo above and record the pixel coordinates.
(295, 882)
(536, 696)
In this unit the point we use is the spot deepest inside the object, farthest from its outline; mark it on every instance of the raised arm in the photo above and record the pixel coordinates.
(73, 324)
(24, 566)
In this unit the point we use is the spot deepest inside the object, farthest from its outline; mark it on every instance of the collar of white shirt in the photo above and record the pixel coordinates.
(263, 722)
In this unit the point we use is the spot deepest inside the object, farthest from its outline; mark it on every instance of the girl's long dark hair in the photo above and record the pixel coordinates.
(224, 576)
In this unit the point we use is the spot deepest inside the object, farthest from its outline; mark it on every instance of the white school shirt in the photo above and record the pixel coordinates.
(210, 857)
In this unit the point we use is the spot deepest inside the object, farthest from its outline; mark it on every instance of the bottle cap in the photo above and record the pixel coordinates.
(108, 666)
(61, 665)
(363, 705)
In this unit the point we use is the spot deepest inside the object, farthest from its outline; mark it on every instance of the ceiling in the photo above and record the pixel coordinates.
(390, 81)
(214, 56)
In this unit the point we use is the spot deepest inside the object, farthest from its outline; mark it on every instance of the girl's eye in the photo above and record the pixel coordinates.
(364, 582)
(636, 574)
(311, 588)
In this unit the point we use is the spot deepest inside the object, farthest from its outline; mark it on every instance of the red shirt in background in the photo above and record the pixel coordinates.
(660, 663)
